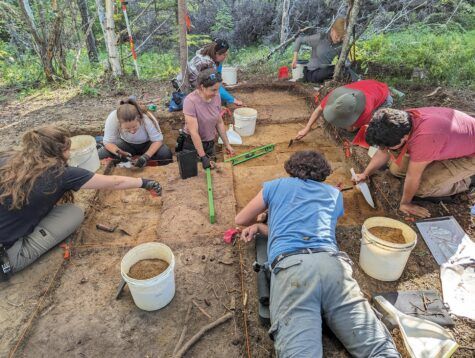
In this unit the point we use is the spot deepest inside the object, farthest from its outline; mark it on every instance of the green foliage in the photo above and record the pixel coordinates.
(446, 56)
(154, 65)
(223, 21)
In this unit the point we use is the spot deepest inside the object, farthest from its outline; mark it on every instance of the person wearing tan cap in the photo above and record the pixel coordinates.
(350, 106)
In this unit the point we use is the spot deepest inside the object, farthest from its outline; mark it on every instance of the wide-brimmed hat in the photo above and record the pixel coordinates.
(344, 106)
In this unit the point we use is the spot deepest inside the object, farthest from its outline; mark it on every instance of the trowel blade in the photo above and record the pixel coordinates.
(363, 187)
(366, 193)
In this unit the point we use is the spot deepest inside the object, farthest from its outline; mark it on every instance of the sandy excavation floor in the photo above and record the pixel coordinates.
(68, 308)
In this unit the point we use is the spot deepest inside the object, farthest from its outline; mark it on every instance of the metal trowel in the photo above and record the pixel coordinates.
(363, 187)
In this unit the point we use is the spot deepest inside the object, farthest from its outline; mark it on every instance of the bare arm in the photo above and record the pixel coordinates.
(112, 182)
(111, 147)
(313, 118)
(380, 158)
(192, 125)
(411, 184)
(154, 147)
(222, 131)
(248, 215)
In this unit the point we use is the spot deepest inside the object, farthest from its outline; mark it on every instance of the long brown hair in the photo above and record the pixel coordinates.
(130, 110)
(217, 47)
(42, 149)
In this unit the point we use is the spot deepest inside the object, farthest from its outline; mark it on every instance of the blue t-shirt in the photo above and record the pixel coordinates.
(302, 214)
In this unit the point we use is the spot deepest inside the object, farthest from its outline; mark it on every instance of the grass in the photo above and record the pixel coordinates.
(446, 56)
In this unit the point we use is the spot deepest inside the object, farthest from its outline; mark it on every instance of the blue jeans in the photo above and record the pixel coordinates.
(307, 287)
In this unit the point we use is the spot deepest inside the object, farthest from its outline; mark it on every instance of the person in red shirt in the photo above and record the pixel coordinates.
(350, 106)
(433, 147)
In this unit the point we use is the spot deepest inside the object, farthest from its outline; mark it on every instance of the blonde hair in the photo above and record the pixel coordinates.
(339, 26)
(42, 150)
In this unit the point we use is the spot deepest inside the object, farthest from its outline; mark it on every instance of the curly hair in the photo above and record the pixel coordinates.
(209, 78)
(308, 165)
(387, 127)
(42, 151)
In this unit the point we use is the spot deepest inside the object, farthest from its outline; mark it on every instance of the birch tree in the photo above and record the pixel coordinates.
(353, 10)
(284, 28)
(47, 40)
(111, 40)
(183, 44)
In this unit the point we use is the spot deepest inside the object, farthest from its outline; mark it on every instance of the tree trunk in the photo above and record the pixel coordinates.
(90, 39)
(101, 13)
(111, 40)
(285, 20)
(183, 44)
(354, 7)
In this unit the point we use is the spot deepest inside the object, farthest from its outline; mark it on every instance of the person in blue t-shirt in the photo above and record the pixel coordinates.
(310, 277)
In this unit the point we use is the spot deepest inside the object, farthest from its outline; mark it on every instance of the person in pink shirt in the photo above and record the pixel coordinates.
(202, 110)
(433, 147)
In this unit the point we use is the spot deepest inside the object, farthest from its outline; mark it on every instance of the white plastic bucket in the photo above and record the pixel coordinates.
(84, 153)
(158, 291)
(297, 72)
(229, 75)
(245, 121)
(381, 259)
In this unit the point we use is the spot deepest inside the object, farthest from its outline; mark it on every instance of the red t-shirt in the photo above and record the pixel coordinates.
(440, 133)
(375, 93)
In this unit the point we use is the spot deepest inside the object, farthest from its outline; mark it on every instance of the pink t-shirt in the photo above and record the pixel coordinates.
(440, 133)
(207, 114)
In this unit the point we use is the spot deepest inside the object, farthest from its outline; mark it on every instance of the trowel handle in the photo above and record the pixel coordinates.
(353, 174)
(388, 307)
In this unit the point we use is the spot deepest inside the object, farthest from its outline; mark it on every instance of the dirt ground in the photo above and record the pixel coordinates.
(58, 308)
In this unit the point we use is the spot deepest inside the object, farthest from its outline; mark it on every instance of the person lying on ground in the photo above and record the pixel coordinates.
(325, 47)
(132, 130)
(350, 106)
(211, 56)
(202, 110)
(310, 277)
(432, 147)
(36, 184)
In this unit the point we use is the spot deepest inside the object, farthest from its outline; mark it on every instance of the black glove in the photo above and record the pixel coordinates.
(123, 155)
(205, 161)
(153, 185)
(142, 161)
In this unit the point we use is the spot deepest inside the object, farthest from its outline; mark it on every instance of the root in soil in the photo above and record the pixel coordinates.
(145, 269)
(388, 234)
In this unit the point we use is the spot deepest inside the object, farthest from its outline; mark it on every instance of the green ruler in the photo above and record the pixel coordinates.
(209, 183)
(244, 157)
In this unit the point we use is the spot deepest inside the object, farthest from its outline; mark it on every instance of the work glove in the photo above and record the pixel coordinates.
(123, 155)
(152, 185)
(142, 161)
(205, 161)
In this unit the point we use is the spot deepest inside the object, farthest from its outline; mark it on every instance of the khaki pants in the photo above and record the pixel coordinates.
(61, 222)
(441, 178)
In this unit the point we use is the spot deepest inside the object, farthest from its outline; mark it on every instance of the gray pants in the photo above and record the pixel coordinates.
(307, 287)
(61, 222)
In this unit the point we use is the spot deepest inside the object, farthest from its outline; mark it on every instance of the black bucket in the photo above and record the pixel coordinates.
(187, 163)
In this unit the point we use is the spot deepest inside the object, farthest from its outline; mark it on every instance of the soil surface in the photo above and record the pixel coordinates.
(60, 308)
(388, 234)
(145, 269)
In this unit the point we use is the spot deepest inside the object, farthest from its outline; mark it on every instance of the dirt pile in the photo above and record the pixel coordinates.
(388, 234)
(145, 269)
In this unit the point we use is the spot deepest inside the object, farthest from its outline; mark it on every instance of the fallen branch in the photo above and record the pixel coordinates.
(201, 333)
(185, 328)
(201, 309)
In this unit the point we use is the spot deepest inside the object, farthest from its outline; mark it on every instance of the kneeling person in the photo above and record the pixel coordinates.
(433, 147)
(133, 130)
(311, 278)
(36, 184)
